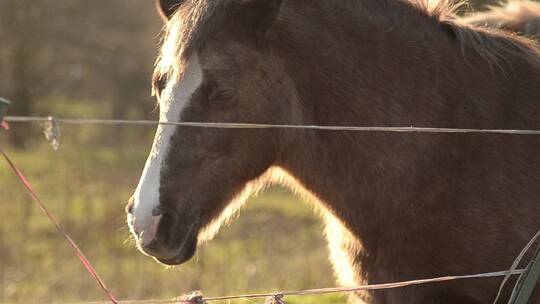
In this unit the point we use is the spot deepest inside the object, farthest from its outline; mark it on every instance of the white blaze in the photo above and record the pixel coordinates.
(174, 99)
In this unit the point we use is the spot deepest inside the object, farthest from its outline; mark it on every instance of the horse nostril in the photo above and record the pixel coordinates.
(157, 211)
(129, 206)
(169, 221)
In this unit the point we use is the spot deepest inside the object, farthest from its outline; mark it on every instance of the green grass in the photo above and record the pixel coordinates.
(276, 243)
(317, 299)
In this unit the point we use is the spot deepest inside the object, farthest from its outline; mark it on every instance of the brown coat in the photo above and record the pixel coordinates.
(397, 206)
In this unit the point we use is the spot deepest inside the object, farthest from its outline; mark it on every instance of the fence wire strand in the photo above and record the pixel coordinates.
(231, 125)
(515, 265)
(77, 250)
(318, 291)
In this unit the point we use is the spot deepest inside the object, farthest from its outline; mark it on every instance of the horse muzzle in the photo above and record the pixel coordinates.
(175, 240)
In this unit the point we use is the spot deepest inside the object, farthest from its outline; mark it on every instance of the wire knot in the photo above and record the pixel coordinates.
(276, 298)
(4, 104)
(52, 132)
(195, 297)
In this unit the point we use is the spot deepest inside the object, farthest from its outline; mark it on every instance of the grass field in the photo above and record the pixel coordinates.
(276, 243)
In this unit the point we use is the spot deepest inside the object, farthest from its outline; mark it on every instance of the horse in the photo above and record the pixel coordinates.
(521, 17)
(396, 206)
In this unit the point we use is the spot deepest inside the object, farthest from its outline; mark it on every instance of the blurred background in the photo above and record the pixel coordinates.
(71, 58)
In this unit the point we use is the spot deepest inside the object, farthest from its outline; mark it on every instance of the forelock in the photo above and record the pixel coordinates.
(186, 32)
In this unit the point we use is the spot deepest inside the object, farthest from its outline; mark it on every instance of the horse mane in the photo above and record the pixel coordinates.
(188, 29)
(494, 46)
(196, 20)
(519, 16)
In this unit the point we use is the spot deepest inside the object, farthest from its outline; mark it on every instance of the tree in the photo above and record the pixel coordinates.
(85, 50)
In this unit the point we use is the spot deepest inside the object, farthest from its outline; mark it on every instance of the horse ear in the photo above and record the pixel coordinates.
(257, 16)
(167, 7)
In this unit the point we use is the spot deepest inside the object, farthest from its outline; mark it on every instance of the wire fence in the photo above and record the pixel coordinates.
(199, 298)
(232, 125)
(52, 131)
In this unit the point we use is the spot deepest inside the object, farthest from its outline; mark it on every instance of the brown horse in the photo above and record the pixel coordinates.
(518, 16)
(396, 206)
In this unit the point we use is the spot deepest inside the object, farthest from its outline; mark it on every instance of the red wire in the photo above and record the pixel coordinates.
(86, 263)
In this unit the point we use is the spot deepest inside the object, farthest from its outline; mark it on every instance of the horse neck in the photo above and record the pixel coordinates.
(369, 64)
(366, 72)
(357, 68)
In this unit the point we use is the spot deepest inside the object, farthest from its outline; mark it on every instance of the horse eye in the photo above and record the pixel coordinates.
(218, 95)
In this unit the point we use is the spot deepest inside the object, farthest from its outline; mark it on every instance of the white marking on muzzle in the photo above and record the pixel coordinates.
(175, 97)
